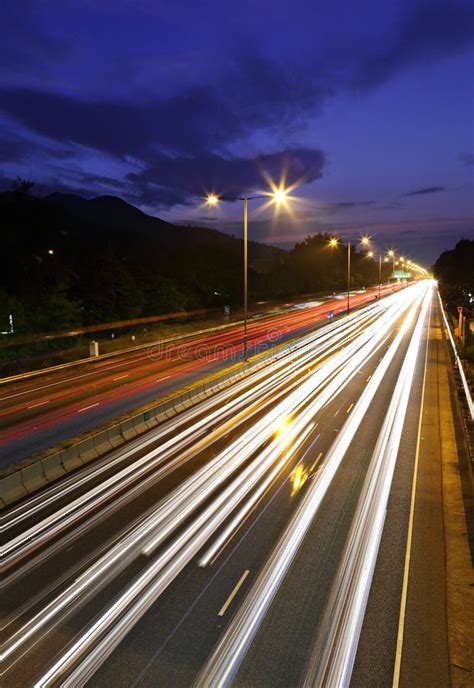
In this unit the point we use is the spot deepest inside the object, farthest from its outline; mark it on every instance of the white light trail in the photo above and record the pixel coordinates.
(233, 645)
(99, 640)
(331, 666)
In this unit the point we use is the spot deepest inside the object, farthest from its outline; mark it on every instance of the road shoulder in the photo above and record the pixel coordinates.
(438, 615)
(459, 575)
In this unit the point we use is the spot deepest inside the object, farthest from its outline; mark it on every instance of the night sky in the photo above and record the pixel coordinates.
(367, 104)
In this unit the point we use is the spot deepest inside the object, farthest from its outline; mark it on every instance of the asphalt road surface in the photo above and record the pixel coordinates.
(236, 544)
(41, 411)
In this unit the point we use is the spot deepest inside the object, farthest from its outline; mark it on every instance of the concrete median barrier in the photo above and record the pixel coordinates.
(102, 443)
(150, 417)
(33, 477)
(53, 467)
(140, 425)
(71, 459)
(115, 436)
(161, 418)
(169, 409)
(12, 488)
(87, 450)
(128, 429)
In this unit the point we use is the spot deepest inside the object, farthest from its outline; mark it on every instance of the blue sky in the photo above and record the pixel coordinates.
(369, 105)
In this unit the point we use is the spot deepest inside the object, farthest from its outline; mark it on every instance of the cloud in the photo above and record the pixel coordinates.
(24, 45)
(180, 180)
(425, 191)
(467, 159)
(432, 31)
(182, 143)
(353, 204)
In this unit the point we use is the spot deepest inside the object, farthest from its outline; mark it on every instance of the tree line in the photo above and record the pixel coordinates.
(62, 270)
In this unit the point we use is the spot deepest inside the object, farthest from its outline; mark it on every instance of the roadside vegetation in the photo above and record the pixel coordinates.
(71, 262)
(454, 271)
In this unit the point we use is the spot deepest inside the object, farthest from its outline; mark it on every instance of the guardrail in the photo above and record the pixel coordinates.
(462, 374)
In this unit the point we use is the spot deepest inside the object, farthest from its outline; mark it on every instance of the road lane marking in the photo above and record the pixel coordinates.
(88, 407)
(368, 378)
(162, 378)
(348, 410)
(120, 377)
(317, 460)
(406, 570)
(40, 403)
(234, 592)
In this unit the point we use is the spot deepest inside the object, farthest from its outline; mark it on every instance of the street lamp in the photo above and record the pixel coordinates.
(371, 255)
(278, 196)
(335, 242)
(391, 255)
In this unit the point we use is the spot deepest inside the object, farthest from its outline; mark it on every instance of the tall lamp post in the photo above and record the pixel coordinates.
(278, 196)
(335, 242)
(371, 255)
(391, 255)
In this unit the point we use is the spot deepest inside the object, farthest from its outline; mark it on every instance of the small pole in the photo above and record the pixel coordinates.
(246, 206)
(380, 272)
(348, 274)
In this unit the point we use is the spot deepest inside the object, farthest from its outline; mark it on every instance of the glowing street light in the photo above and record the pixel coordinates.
(279, 196)
(333, 243)
(212, 199)
(371, 254)
(391, 255)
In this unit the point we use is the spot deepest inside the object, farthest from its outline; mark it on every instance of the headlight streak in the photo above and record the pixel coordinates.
(234, 524)
(119, 559)
(224, 464)
(58, 520)
(232, 647)
(122, 553)
(48, 496)
(331, 666)
(322, 335)
(136, 598)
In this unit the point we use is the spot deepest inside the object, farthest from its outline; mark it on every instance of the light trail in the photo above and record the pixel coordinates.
(331, 666)
(185, 499)
(109, 628)
(233, 645)
(75, 509)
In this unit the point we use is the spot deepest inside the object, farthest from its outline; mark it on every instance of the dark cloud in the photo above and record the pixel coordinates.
(423, 192)
(432, 31)
(257, 93)
(180, 180)
(467, 159)
(187, 123)
(24, 45)
(182, 142)
(353, 204)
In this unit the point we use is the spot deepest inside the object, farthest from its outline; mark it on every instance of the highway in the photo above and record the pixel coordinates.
(236, 543)
(37, 412)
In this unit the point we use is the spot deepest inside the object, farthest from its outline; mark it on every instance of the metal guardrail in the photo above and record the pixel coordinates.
(462, 374)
